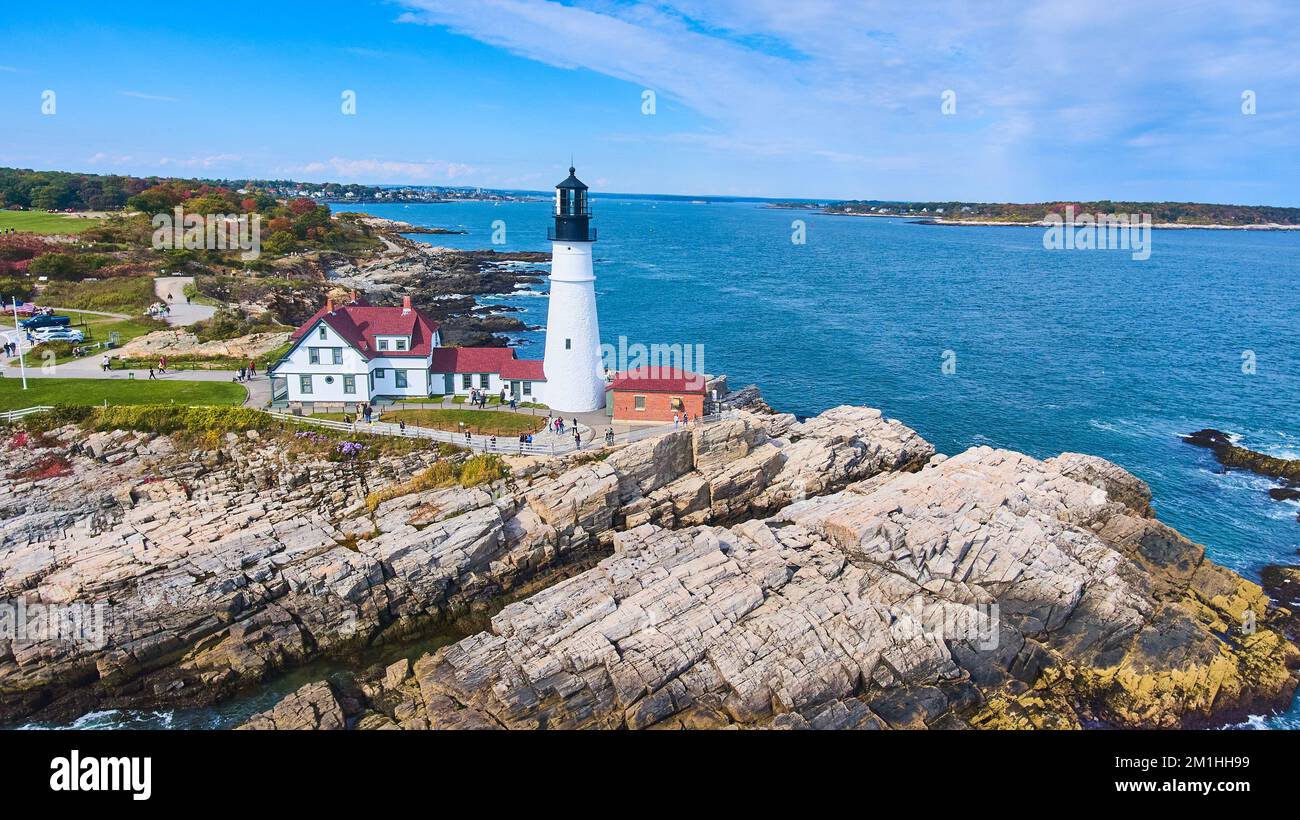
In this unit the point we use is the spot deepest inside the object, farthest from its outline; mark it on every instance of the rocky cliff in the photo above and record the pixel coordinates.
(990, 590)
(223, 565)
(756, 572)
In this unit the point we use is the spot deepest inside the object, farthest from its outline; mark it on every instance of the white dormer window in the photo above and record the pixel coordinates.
(321, 333)
(383, 344)
(401, 344)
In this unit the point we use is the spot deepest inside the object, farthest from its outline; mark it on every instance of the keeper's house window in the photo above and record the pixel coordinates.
(483, 380)
(379, 373)
(638, 402)
(568, 344)
(338, 354)
(320, 334)
(401, 344)
(467, 381)
(313, 355)
(304, 384)
(349, 384)
(528, 388)
(400, 376)
(383, 344)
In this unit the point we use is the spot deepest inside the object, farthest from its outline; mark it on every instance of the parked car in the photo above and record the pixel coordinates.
(58, 334)
(45, 321)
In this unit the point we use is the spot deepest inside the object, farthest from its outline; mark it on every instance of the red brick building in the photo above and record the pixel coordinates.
(654, 394)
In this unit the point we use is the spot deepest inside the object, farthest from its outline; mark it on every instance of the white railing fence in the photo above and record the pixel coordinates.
(14, 415)
(545, 443)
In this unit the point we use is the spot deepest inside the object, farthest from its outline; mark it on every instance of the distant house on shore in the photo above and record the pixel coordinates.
(353, 353)
(654, 394)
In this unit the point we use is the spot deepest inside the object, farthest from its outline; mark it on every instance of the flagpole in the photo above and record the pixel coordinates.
(22, 365)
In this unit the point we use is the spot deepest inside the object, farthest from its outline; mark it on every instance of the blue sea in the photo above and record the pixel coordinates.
(1055, 350)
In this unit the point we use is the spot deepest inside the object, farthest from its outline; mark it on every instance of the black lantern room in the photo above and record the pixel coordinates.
(572, 212)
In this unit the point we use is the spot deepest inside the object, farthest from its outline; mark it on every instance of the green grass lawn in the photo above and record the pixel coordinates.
(478, 422)
(41, 222)
(115, 391)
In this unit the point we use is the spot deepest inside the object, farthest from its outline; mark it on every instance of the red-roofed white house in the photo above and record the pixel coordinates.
(356, 352)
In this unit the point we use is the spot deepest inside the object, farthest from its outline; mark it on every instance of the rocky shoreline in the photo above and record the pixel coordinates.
(756, 572)
(1232, 457)
(443, 282)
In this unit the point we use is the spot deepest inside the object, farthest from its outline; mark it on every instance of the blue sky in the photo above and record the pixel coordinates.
(820, 98)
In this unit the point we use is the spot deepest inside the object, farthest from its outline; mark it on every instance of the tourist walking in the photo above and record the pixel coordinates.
(401, 426)
(577, 439)
(151, 374)
(609, 436)
(365, 411)
(103, 364)
(252, 368)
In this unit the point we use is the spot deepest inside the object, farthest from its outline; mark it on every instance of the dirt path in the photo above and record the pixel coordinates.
(171, 292)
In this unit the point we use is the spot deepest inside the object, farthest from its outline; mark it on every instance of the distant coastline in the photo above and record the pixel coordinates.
(921, 219)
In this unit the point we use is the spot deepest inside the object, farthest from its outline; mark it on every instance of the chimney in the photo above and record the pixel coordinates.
(406, 304)
(353, 300)
(329, 304)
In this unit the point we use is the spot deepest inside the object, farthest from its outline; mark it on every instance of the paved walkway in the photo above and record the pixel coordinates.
(544, 443)
(180, 314)
(596, 420)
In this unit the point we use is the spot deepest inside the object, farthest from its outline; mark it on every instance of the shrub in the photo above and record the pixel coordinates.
(470, 472)
(60, 415)
(230, 324)
(482, 469)
(125, 295)
(51, 465)
(170, 418)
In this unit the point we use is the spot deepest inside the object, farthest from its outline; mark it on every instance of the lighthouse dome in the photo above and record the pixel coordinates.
(572, 182)
(572, 212)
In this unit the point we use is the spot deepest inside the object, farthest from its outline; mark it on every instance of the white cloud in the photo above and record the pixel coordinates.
(377, 170)
(857, 85)
(140, 95)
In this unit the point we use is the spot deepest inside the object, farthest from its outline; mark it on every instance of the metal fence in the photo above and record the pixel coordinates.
(544, 443)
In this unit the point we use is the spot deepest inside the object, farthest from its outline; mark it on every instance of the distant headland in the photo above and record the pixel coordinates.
(1163, 214)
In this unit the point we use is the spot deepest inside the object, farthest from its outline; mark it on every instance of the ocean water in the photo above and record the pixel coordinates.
(1085, 351)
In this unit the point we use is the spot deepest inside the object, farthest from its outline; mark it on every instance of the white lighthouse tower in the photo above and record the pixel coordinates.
(575, 380)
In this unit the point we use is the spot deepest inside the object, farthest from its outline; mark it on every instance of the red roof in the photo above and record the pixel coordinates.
(524, 370)
(359, 324)
(658, 380)
(486, 360)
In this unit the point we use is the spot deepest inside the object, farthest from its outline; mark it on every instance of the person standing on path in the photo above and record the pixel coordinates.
(577, 439)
